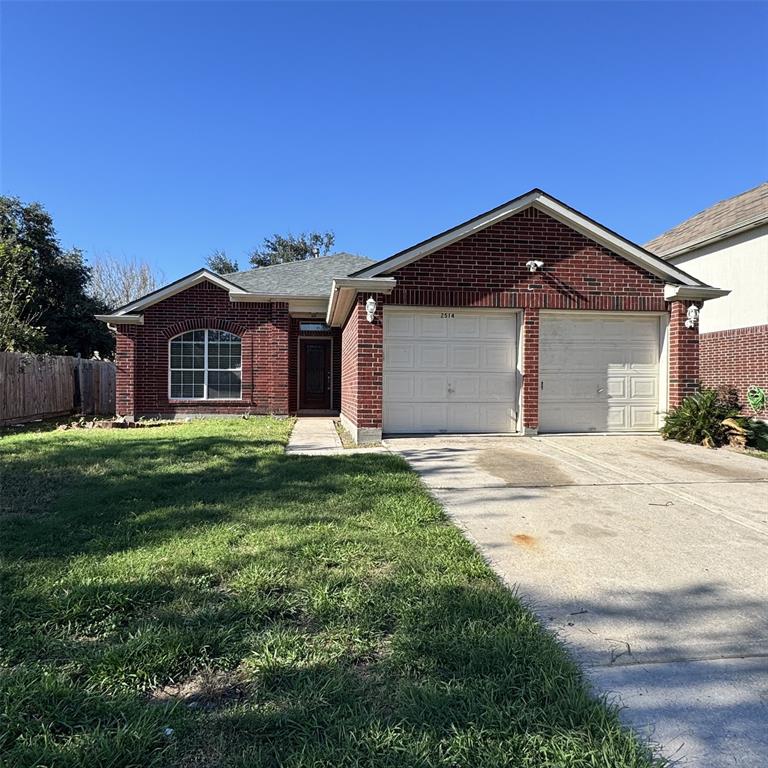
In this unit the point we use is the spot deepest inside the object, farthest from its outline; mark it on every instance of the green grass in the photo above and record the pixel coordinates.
(272, 610)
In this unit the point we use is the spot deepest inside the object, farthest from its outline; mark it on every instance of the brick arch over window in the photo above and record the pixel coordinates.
(200, 324)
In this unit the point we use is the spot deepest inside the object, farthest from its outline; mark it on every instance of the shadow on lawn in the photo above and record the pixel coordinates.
(105, 497)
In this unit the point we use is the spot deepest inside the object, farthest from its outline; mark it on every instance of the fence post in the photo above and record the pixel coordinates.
(78, 388)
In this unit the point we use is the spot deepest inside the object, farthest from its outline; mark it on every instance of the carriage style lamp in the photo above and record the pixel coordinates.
(370, 309)
(692, 316)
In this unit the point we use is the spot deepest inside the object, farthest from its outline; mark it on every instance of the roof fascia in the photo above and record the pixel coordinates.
(121, 319)
(344, 292)
(692, 292)
(176, 287)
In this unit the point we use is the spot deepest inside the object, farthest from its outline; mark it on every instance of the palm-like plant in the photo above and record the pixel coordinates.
(699, 418)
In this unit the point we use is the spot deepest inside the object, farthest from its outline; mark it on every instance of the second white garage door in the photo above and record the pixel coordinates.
(598, 373)
(449, 371)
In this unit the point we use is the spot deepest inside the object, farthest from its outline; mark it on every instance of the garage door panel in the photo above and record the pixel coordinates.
(400, 386)
(499, 326)
(431, 355)
(400, 354)
(615, 387)
(642, 417)
(465, 356)
(431, 326)
(616, 417)
(574, 387)
(449, 371)
(646, 388)
(497, 357)
(498, 388)
(416, 417)
(400, 326)
(421, 387)
(598, 373)
(465, 326)
(463, 387)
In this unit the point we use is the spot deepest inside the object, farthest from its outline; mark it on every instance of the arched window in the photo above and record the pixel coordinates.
(205, 365)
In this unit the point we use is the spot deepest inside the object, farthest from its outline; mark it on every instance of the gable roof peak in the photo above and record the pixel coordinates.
(551, 206)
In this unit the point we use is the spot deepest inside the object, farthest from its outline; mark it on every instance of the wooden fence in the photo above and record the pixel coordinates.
(40, 386)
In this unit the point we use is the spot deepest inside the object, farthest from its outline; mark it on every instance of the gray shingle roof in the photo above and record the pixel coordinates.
(719, 219)
(312, 277)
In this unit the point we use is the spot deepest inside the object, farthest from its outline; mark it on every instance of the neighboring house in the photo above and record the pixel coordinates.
(530, 317)
(727, 245)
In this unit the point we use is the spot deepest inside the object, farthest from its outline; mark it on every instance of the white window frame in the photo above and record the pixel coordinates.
(205, 370)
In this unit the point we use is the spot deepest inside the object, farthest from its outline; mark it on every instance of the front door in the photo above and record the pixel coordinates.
(315, 374)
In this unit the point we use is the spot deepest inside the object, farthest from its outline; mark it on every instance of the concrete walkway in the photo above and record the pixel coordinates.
(314, 435)
(648, 558)
(317, 436)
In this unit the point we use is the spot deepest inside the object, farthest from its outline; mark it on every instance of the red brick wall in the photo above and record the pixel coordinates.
(488, 269)
(362, 365)
(264, 330)
(683, 354)
(293, 362)
(125, 365)
(736, 358)
(349, 366)
(530, 368)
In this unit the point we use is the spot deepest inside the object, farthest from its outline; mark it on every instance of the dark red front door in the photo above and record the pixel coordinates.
(315, 374)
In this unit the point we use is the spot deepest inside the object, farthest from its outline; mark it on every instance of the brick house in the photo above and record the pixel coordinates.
(530, 317)
(727, 244)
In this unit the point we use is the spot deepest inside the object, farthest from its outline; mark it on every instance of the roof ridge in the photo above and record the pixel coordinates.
(301, 261)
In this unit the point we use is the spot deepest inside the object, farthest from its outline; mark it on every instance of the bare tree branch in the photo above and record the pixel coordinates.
(117, 281)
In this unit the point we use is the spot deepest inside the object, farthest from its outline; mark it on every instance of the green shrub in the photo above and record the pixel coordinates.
(699, 418)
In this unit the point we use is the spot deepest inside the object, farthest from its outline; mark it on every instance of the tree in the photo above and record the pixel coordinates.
(280, 249)
(18, 317)
(115, 282)
(220, 263)
(46, 307)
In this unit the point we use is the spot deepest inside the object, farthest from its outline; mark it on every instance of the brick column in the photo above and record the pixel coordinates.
(125, 365)
(531, 370)
(362, 372)
(279, 330)
(683, 354)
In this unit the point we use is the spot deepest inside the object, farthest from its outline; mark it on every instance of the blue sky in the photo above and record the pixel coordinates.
(165, 130)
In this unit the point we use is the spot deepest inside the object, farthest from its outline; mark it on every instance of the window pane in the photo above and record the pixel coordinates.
(223, 384)
(175, 389)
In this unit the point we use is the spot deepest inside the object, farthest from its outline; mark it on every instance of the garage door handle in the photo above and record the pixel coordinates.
(600, 389)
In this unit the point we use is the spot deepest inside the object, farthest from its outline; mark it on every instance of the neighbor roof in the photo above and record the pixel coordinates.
(312, 277)
(726, 218)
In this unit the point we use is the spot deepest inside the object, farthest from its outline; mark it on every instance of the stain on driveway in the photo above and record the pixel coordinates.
(648, 558)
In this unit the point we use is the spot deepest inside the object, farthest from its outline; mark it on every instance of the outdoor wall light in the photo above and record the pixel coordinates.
(370, 309)
(692, 316)
(534, 265)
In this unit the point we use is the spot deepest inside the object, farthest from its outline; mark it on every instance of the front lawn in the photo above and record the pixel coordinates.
(189, 596)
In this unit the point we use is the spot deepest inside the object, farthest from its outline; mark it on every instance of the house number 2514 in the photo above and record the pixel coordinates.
(447, 314)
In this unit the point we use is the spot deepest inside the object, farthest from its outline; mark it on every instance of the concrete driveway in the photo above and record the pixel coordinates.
(648, 558)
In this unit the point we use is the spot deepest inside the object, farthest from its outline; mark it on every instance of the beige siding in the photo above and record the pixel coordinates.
(739, 264)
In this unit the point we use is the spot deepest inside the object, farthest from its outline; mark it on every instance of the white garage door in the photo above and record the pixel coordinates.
(598, 373)
(449, 371)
